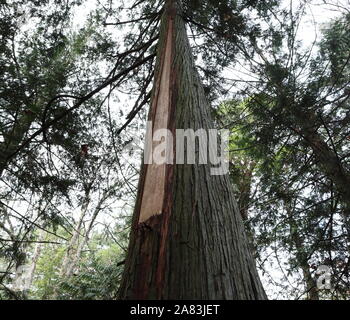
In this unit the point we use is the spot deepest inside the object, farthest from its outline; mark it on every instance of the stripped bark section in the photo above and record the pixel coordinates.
(155, 181)
(154, 201)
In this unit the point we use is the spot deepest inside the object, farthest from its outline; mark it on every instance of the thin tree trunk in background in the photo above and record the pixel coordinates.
(244, 187)
(311, 287)
(301, 256)
(187, 239)
(75, 259)
(80, 238)
(67, 264)
(328, 161)
(243, 190)
(33, 264)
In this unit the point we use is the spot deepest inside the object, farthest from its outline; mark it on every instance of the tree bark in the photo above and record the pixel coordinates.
(188, 241)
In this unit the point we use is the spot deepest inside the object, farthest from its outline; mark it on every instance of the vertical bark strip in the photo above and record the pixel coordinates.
(194, 246)
(154, 187)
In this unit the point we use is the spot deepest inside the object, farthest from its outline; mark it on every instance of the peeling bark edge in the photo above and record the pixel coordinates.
(157, 223)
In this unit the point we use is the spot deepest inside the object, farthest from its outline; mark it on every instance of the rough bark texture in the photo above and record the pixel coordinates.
(195, 247)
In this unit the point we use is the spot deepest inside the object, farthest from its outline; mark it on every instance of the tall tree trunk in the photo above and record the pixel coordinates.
(187, 239)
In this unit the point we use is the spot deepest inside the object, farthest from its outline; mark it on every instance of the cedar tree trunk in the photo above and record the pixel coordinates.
(187, 239)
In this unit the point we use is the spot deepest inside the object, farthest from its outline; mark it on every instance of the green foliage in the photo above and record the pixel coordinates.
(47, 273)
(96, 277)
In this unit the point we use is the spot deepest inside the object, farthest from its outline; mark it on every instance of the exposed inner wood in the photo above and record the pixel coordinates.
(154, 185)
